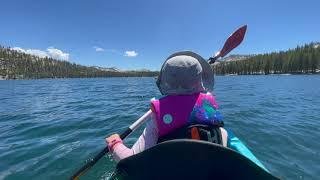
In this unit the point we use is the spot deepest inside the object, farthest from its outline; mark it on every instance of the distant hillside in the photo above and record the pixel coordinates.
(107, 69)
(236, 57)
(302, 59)
(18, 65)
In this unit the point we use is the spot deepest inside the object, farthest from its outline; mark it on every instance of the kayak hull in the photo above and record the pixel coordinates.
(189, 159)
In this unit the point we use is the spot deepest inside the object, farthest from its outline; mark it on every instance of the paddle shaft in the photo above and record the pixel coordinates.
(123, 135)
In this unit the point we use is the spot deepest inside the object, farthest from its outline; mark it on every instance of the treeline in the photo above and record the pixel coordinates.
(304, 59)
(18, 65)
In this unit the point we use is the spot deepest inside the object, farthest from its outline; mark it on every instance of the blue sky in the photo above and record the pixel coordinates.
(137, 34)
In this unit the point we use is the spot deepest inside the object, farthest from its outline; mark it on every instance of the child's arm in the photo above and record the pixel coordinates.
(148, 138)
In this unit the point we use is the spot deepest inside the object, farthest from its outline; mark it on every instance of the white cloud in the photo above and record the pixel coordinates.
(57, 54)
(131, 54)
(19, 49)
(51, 52)
(35, 52)
(98, 49)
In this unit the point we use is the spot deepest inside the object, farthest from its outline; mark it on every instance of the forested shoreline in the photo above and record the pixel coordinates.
(18, 65)
(301, 60)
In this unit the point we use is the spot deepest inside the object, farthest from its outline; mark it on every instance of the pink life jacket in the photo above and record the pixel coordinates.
(175, 111)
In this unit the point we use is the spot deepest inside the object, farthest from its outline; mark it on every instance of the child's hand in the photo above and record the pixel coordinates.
(112, 141)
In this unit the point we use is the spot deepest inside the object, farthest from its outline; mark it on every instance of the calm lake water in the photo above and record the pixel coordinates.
(49, 128)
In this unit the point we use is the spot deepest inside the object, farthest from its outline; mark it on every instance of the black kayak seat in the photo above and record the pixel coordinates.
(189, 159)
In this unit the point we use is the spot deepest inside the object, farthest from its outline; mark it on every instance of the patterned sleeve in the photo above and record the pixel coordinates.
(148, 138)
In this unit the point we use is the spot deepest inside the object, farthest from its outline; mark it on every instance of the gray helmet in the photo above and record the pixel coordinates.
(185, 72)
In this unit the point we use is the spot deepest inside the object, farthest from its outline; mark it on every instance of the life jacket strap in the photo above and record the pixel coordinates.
(195, 133)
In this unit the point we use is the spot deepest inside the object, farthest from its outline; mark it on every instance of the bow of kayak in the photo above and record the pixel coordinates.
(192, 159)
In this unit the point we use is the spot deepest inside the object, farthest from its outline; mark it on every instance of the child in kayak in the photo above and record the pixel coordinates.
(188, 109)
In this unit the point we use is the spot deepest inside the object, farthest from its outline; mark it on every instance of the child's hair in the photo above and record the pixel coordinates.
(185, 72)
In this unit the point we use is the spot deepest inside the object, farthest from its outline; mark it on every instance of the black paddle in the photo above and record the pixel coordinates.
(89, 164)
(232, 42)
